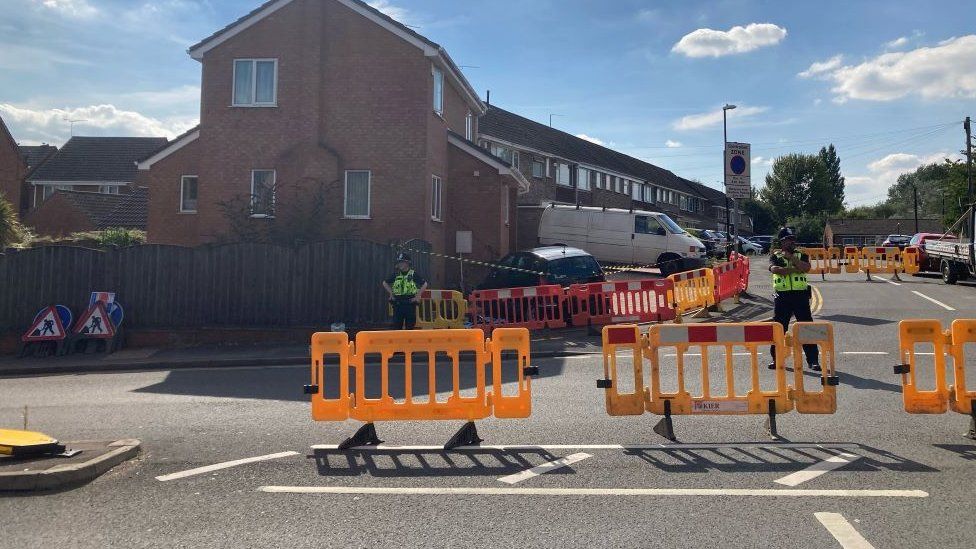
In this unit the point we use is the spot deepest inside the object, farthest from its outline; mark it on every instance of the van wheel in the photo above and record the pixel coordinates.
(670, 264)
(949, 275)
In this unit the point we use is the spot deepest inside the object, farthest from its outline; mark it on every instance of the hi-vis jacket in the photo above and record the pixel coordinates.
(793, 282)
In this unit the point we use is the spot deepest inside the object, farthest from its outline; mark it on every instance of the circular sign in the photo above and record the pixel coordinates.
(738, 164)
(64, 314)
(115, 312)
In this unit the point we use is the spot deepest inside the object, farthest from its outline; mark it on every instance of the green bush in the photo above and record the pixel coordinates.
(12, 233)
(115, 236)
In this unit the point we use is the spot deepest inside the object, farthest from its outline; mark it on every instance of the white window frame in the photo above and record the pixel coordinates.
(274, 193)
(436, 198)
(183, 179)
(516, 159)
(369, 195)
(542, 168)
(569, 175)
(506, 205)
(469, 126)
(254, 84)
(583, 183)
(438, 99)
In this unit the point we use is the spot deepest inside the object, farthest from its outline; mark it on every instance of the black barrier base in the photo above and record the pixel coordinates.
(972, 422)
(365, 436)
(771, 421)
(665, 427)
(466, 436)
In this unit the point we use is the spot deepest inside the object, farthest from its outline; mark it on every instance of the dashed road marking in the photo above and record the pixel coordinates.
(224, 465)
(544, 468)
(817, 469)
(936, 301)
(513, 491)
(843, 532)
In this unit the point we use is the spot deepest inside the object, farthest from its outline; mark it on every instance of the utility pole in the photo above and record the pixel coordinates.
(915, 193)
(728, 211)
(969, 157)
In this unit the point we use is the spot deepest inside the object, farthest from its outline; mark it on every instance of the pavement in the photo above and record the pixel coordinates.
(231, 457)
(90, 459)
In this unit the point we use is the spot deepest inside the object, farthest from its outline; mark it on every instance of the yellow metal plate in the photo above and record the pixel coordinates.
(12, 440)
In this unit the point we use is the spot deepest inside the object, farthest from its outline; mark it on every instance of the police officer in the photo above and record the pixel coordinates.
(404, 287)
(792, 297)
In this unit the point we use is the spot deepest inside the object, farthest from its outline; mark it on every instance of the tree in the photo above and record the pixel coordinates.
(827, 187)
(11, 231)
(762, 215)
(787, 188)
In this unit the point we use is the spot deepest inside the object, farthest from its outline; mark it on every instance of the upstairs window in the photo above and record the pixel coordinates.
(357, 194)
(262, 193)
(438, 91)
(469, 126)
(188, 194)
(436, 198)
(562, 175)
(583, 179)
(538, 168)
(255, 82)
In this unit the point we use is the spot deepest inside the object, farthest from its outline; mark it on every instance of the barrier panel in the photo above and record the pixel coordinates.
(852, 257)
(880, 261)
(439, 309)
(823, 261)
(731, 278)
(911, 260)
(708, 340)
(614, 302)
(376, 351)
(692, 290)
(533, 308)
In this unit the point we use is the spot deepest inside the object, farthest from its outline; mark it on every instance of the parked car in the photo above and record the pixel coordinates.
(561, 265)
(747, 247)
(721, 241)
(926, 262)
(711, 249)
(896, 240)
(765, 241)
(626, 237)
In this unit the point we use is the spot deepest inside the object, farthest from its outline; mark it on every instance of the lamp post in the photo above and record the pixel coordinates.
(725, 148)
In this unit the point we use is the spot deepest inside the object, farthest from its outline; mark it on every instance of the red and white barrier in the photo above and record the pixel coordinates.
(533, 308)
(717, 333)
(614, 302)
(731, 278)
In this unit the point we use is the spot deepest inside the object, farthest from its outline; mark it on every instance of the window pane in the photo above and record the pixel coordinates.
(265, 92)
(189, 195)
(438, 90)
(562, 174)
(262, 192)
(537, 168)
(243, 82)
(436, 198)
(357, 194)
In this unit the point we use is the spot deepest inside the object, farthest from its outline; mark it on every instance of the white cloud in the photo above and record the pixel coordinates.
(591, 139)
(401, 14)
(883, 173)
(713, 118)
(717, 43)
(762, 161)
(944, 71)
(823, 69)
(79, 9)
(49, 125)
(182, 96)
(897, 43)
(673, 144)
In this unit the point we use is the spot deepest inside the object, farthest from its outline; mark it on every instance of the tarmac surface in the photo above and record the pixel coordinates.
(231, 457)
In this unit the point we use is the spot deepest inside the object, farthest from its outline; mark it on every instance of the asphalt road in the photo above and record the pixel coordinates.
(895, 480)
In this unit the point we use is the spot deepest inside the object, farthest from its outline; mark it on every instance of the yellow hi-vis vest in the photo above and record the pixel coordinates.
(791, 282)
(404, 285)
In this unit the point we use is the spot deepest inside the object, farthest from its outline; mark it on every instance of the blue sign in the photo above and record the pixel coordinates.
(64, 314)
(738, 165)
(115, 312)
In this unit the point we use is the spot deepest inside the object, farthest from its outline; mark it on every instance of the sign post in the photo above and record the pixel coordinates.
(738, 180)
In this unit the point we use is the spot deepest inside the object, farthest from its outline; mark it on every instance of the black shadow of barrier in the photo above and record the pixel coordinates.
(385, 463)
(965, 451)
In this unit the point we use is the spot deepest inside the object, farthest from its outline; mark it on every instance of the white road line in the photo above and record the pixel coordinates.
(936, 301)
(224, 465)
(864, 353)
(817, 469)
(544, 468)
(674, 355)
(843, 532)
(513, 491)
(534, 447)
(887, 280)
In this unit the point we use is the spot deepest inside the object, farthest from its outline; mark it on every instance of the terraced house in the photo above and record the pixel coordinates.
(328, 118)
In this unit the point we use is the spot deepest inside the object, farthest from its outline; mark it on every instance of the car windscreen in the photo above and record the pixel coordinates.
(574, 268)
(915, 240)
(673, 227)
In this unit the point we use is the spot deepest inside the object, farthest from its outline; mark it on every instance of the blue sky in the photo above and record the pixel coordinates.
(887, 81)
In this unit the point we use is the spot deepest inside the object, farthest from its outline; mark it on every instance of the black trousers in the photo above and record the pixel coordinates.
(404, 314)
(794, 304)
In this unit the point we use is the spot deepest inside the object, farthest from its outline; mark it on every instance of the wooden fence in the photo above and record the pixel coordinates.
(245, 284)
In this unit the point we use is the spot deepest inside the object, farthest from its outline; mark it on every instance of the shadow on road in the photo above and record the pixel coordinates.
(431, 463)
(747, 459)
(858, 382)
(859, 320)
(966, 451)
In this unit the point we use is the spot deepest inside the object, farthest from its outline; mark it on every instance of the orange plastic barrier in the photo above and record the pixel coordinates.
(440, 309)
(692, 290)
(614, 302)
(533, 308)
(823, 261)
(852, 259)
(731, 278)
(373, 354)
(706, 339)
(880, 261)
(911, 260)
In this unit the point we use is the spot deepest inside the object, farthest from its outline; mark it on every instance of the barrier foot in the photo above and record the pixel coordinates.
(972, 422)
(702, 313)
(771, 421)
(466, 436)
(896, 277)
(365, 436)
(665, 427)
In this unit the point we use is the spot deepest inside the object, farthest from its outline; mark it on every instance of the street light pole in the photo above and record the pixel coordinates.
(728, 210)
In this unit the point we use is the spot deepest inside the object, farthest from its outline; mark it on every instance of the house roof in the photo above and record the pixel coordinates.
(500, 164)
(98, 159)
(129, 210)
(874, 227)
(518, 130)
(35, 155)
(178, 142)
(431, 49)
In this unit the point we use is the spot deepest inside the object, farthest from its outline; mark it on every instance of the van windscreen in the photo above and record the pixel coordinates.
(670, 224)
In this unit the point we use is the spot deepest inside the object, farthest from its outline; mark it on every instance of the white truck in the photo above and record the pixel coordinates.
(957, 259)
(623, 237)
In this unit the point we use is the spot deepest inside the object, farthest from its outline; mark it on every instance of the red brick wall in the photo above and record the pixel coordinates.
(166, 224)
(57, 216)
(12, 170)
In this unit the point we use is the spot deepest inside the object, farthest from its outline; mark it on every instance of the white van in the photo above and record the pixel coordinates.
(622, 236)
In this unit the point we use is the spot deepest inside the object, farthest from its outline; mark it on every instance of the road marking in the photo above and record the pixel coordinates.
(513, 491)
(224, 465)
(864, 353)
(537, 447)
(544, 468)
(818, 301)
(887, 280)
(674, 355)
(843, 532)
(936, 301)
(817, 469)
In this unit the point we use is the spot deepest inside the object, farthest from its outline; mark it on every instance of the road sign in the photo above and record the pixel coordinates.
(104, 297)
(95, 323)
(47, 326)
(738, 172)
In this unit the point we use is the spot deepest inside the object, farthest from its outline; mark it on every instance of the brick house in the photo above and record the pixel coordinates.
(566, 169)
(326, 118)
(66, 212)
(872, 232)
(13, 168)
